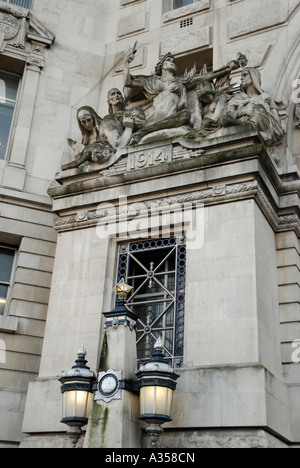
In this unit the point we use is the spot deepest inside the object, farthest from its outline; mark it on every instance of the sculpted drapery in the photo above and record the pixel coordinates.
(254, 106)
(159, 102)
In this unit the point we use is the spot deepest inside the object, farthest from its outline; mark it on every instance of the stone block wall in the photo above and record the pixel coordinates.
(22, 330)
(289, 281)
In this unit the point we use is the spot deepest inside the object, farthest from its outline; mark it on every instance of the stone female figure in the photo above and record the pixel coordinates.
(252, 105)
(102, 137)
(89, 123)
(166, 97)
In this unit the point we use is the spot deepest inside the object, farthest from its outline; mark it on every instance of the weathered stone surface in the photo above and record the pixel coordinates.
(235, 310)
(220, 439)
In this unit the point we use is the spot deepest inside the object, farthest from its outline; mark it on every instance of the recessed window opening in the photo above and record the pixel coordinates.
(201, 58)
(156, 270)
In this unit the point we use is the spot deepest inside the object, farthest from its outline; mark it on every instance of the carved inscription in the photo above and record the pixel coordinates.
(148, 158)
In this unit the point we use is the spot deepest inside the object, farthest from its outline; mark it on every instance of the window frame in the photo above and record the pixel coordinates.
(13, 120)
(12, 276)
(15, 4)
(183, 6)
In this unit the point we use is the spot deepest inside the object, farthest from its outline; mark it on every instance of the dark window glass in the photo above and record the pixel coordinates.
(6, 266)
(8, 94)
(182, 3)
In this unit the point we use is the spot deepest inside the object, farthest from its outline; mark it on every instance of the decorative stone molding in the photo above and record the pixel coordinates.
(213, 195)
(18, 30)
(35, 61)
(12, 28)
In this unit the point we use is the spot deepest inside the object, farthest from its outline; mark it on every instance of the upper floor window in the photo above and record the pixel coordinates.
(22, 3)
(8, 95)
(7, 257)
(156, 270)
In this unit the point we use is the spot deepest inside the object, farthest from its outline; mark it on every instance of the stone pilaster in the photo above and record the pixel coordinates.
(114, 424)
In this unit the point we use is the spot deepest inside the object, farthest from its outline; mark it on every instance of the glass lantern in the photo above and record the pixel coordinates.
(157, 382)
(77, 394)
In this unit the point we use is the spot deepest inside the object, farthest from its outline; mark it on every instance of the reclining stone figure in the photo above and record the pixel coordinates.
(102, 137)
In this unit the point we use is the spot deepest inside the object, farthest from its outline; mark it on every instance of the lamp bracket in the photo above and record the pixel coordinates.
(130, 385)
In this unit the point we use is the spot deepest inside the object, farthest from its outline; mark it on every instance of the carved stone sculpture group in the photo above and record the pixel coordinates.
(156, 107)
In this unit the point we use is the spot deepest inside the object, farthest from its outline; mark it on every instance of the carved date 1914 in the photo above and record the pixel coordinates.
(148, 158)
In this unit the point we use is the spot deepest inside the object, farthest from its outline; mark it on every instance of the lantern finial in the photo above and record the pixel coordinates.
(122, 289)
(81, 351)
(159, 344)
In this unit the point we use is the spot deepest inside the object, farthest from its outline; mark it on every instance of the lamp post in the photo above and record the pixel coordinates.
(77, 391)
(157, 382)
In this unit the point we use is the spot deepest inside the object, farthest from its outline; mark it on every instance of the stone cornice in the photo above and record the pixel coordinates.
(230, 168)
(180, 166)
(215, 195)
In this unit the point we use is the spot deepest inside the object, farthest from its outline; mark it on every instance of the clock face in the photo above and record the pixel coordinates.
(108, 385)
(108, 388)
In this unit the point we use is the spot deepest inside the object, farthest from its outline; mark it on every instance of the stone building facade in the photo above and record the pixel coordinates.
(69, 233)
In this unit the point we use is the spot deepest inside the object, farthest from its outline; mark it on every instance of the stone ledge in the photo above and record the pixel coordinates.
(186, 154)
(8, 324)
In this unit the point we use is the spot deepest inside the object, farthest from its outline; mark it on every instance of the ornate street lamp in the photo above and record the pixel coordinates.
(122, 289)
(155, 385)
(77, 391)
(157, 382)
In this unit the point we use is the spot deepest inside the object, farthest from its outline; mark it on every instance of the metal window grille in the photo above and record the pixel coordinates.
(22, 3)
(156, 270)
